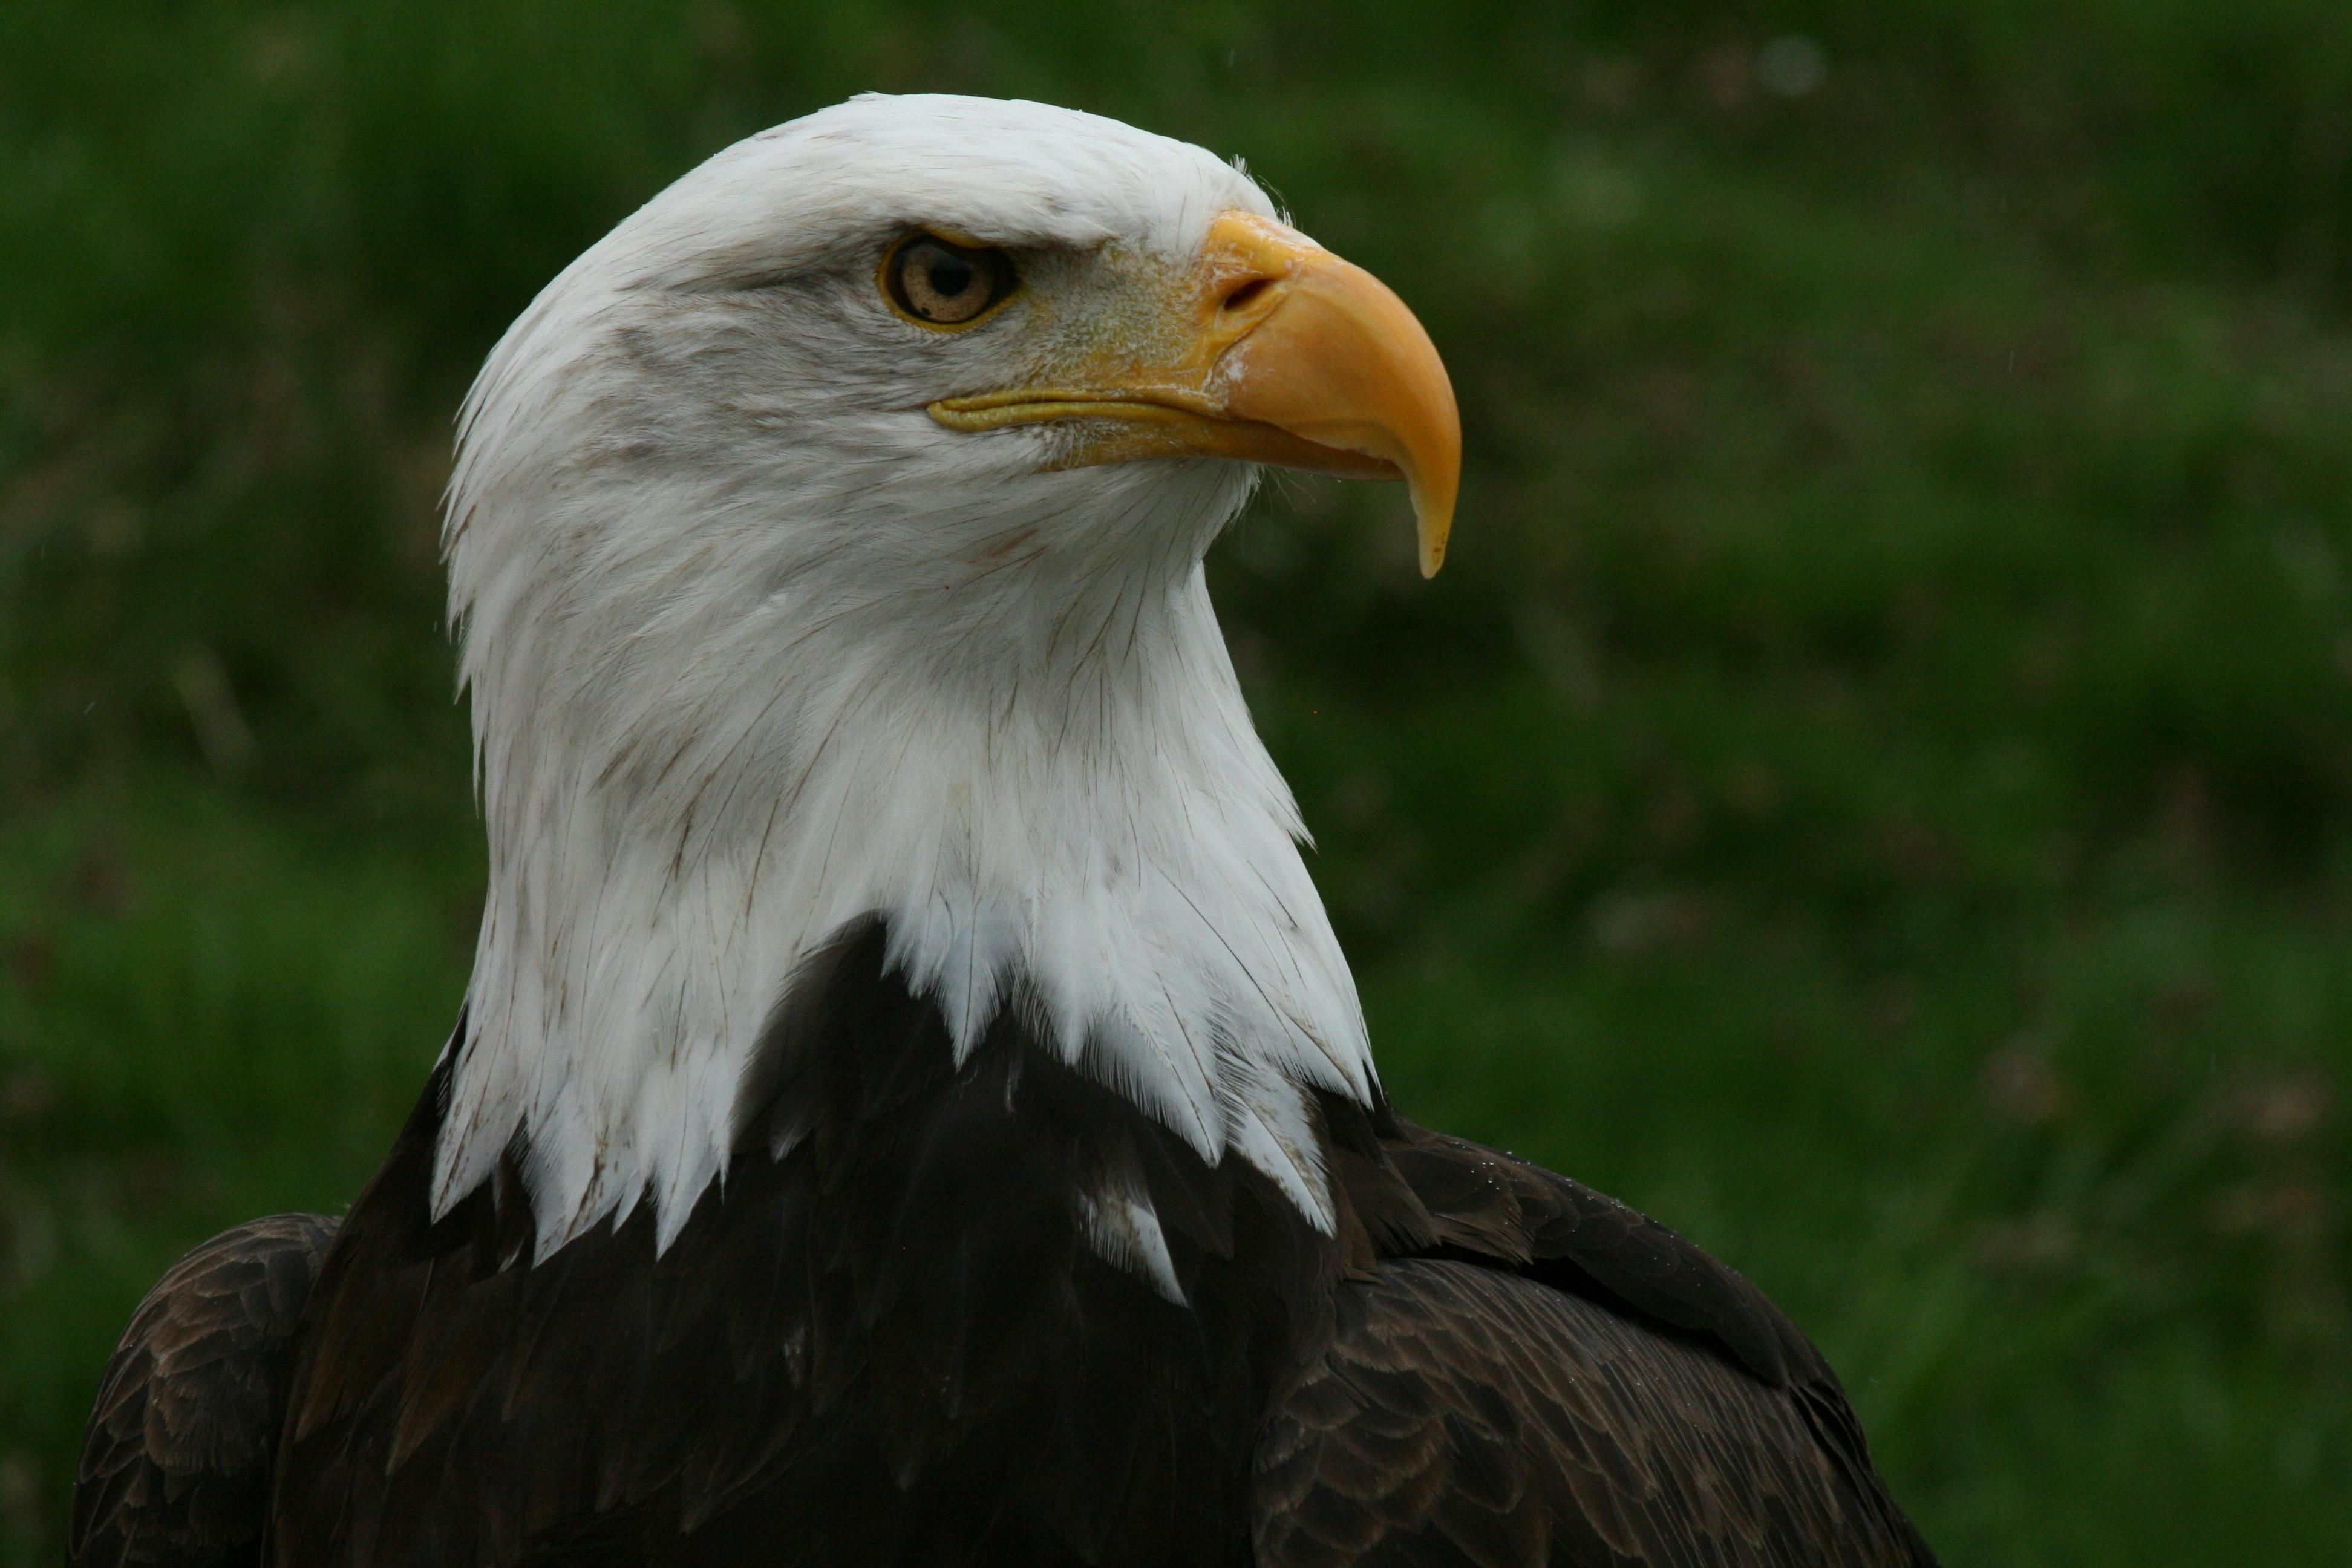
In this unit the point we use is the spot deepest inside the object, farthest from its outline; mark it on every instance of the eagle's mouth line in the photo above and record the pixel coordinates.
(1036, 406)
(1154, 421)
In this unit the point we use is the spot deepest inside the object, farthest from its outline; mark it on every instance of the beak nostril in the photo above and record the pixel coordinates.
(1245, 293)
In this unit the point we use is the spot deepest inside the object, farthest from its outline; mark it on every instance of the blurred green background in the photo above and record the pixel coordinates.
(1872, 786)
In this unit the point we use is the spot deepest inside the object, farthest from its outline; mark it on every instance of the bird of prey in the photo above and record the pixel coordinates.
(910, 1107)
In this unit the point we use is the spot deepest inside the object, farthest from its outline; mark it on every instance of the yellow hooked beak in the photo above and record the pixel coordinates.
(1294, 357)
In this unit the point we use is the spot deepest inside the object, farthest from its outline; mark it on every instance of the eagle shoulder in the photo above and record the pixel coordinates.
(1530, 1372)
(176, 1460)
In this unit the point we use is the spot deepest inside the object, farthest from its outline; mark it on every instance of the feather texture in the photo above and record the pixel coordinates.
(176, 1464)
(1470, 1416)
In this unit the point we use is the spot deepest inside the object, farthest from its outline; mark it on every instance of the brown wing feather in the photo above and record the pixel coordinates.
(176, 1464)
(1482, 1283)
(1422, 1193)
(1468, 1415)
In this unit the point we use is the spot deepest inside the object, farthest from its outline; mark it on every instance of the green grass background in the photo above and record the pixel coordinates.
(1872, 785)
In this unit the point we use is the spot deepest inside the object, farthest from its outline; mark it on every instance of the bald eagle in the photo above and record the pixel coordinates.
(910, 1107)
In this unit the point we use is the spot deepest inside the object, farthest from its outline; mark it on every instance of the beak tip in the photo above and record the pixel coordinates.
(1432, 528)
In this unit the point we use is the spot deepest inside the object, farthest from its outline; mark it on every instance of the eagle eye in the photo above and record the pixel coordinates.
(939, 283)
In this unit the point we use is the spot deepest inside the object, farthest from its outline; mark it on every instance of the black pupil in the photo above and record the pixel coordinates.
(951, 275)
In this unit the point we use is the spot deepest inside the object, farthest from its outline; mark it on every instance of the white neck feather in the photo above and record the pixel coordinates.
(1042, 770)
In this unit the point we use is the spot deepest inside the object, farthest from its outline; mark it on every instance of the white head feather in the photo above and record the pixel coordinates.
(757, 648)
